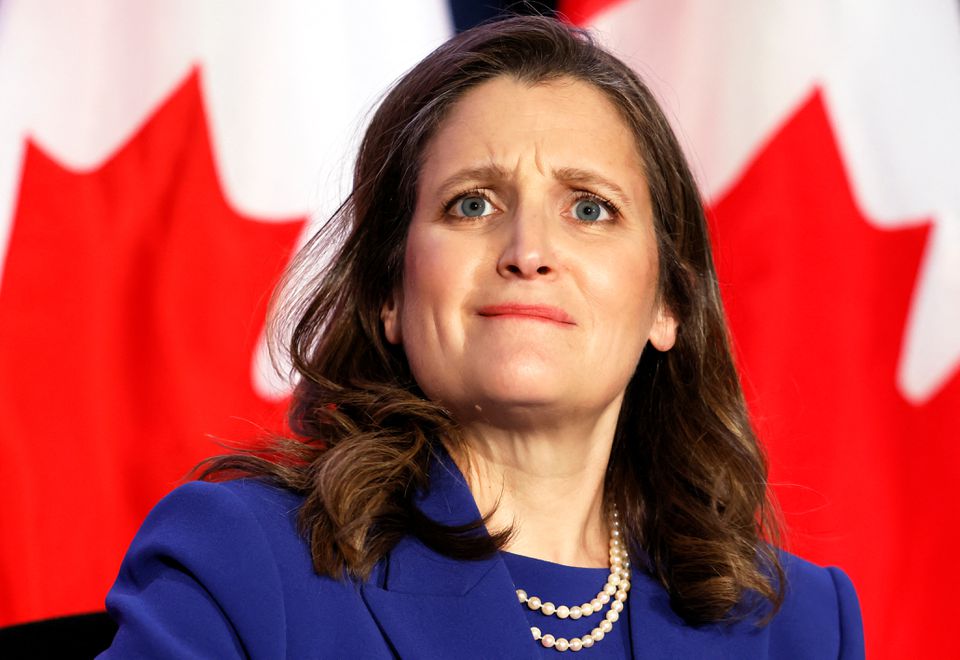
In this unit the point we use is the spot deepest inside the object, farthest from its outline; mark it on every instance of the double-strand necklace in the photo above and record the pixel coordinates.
(614, 592)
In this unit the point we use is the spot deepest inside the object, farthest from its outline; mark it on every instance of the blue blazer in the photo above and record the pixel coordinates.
(220, 571)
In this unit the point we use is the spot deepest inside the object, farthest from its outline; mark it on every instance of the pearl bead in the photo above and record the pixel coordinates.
(617, 586)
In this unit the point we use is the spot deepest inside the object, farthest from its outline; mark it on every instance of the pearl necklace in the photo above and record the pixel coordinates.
(616, 588)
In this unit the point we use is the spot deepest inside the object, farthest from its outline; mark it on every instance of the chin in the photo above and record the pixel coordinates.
(522, 389)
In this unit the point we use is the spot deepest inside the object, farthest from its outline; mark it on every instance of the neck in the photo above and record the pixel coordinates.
(548, 485)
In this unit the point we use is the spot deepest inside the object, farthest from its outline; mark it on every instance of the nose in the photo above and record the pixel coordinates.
(528, 252)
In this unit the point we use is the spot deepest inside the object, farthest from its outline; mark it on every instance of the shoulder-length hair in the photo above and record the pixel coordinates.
(688, 472)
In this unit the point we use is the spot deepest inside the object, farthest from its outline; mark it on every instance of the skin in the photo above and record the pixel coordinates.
(538, 398)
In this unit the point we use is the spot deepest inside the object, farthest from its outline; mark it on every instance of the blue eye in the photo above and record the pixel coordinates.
(590, 210)
(472, 206)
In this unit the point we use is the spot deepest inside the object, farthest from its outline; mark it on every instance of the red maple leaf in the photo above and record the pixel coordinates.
(131, 303)
(580, 12)
(817, 300)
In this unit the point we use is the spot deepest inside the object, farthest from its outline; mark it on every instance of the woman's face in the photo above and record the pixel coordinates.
(530, 273)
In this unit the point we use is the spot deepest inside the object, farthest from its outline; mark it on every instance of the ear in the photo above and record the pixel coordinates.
(664, 331)
(390, 315)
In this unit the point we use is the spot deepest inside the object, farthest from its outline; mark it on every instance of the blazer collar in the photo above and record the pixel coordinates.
(429, 605)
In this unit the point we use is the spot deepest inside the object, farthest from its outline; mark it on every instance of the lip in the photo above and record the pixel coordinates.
(531, 312)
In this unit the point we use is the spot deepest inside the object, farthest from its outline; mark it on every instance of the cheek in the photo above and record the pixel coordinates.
(440, 265)
(426, 269)
(436, 275)
(625, 290)
(430, 313)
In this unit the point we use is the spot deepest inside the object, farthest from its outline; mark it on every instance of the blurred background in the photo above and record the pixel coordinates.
(161, 160)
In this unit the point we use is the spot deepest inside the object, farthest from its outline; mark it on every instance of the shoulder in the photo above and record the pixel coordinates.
(820, 611)
(239, 495)
(217, 566)
(236, 497)
(227, 504)
(198, 521)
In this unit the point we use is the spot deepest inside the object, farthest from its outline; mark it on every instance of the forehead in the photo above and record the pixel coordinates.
(559, 123)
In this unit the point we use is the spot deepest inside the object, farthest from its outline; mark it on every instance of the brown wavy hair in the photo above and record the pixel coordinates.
(688, 468)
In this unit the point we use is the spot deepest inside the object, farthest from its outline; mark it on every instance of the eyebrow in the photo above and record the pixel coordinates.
(489, 172)
(569, 175)
(590, 179)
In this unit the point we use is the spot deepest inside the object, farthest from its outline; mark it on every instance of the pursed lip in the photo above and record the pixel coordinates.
(532, 312)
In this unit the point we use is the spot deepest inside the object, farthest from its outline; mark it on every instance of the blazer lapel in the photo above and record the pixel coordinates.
(431, 606)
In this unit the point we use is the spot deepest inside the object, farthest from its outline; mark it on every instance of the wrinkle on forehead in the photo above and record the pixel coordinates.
(503, 134)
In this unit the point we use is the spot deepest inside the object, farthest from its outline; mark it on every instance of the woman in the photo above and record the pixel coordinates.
(519, 332)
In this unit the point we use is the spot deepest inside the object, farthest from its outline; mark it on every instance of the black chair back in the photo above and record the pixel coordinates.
(69, 637)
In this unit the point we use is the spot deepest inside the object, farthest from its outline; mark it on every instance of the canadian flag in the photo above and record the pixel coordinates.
(826, 139)
(159, 161)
